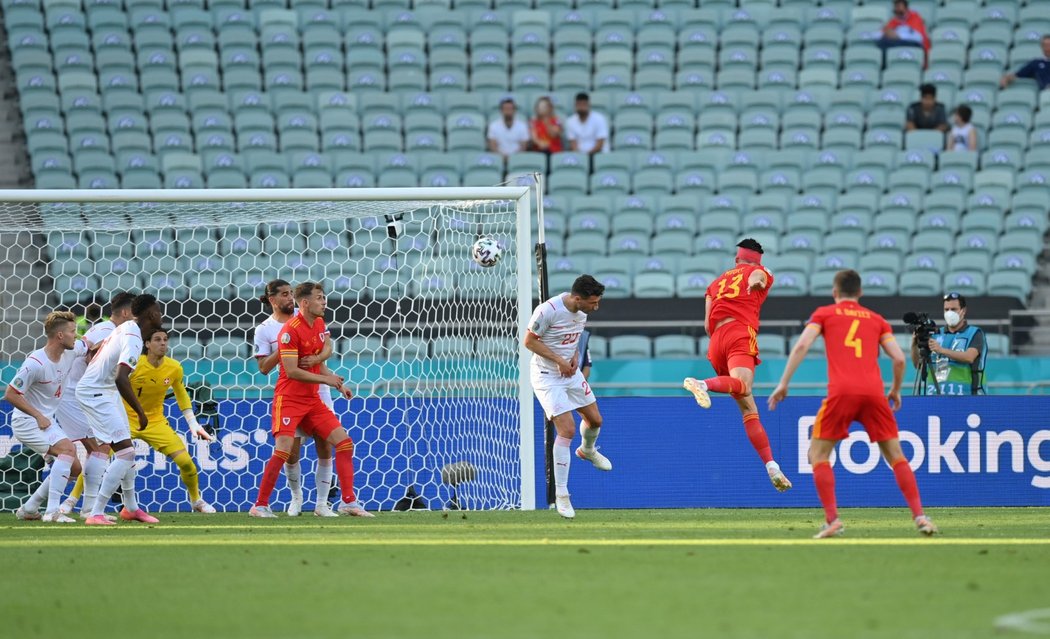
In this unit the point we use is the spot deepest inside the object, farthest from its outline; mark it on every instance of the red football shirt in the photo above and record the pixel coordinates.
(299, 338)
(730, 296)
(852, 337)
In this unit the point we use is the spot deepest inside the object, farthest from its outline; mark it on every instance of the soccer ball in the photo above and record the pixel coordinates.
(486, 252)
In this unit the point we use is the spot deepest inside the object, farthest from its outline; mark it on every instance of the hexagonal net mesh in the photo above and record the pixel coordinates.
(427, 338)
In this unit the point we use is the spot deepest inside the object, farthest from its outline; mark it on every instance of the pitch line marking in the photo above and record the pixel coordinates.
(167, 540)
(1031, 621)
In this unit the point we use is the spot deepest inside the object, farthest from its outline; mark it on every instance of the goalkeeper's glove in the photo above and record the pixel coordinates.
(195, 428)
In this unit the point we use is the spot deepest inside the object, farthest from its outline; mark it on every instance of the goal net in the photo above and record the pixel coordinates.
(427, 339)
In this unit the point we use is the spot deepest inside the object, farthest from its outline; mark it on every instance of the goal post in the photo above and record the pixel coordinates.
(429, 340)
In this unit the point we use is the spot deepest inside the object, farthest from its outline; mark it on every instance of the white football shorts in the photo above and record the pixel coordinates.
(29, 434)
(105, 414)
(558, 395)
(72, 419)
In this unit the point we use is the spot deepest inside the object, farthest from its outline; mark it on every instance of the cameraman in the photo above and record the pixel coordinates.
(958, 353)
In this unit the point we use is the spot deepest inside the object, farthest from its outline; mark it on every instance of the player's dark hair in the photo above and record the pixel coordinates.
(928, 90)
(751, 245)
(586, 286)
(848, 283)
(120, 301)
(142, 303)
(147, 337)
(509, 101)
(272, 289)
(583, 97)
(306, 289)
(965, 113)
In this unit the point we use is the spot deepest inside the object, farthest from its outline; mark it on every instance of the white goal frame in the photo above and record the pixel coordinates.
(522, 196)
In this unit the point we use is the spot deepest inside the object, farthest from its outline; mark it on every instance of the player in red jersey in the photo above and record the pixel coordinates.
(297, 405)
(855, 393)
(731, 319)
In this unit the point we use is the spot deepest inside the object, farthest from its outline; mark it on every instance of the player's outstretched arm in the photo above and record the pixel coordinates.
(890, 346)
(186, 406)
(798, 353)
(757, 280)
(534, 344)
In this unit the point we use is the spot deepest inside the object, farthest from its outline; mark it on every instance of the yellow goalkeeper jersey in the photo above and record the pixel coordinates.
(151, 384)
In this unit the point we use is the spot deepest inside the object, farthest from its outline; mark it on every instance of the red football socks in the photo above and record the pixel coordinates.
(344, 467)
(824, 478)
(725, 384)
(757, 434)
(906, 481)
(270, 475)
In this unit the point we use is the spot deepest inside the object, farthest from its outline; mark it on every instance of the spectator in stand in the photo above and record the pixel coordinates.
(508, 134)
(927, 113)
(545, 128)
(963, 136)
(905, 29)
(1037, 69)
(587, 130)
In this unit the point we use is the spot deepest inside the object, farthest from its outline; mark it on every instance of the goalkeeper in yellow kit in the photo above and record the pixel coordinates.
(152, 378)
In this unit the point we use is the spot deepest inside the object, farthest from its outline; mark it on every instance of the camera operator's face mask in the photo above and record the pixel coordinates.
(952, 318)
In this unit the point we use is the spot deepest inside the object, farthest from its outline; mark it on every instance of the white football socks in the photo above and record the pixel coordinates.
(590, 435)
(294, 474)
(94, 468)
(127, 487)
(35, 500)
(57, 480)
(561, 466)
(114, 475)
(324, 480)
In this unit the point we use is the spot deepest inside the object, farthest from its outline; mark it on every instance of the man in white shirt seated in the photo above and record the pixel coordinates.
(588, 131)
(508, 135)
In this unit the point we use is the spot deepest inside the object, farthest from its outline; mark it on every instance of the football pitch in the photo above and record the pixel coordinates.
(434, 575)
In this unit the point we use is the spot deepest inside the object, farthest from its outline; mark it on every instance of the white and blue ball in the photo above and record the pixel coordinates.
(486, 252)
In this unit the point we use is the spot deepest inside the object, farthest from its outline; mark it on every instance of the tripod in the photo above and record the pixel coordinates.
(923, 368)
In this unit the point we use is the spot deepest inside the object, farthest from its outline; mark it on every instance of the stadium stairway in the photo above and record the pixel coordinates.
(1039, 335)
(14, 155)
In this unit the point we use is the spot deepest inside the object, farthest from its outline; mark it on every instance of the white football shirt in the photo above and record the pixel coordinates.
(559, 329)
(95, 335)
(122, 348)
(40, 380)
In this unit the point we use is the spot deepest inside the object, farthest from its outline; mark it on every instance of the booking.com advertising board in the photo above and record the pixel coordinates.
(670, 453)
(667, 453)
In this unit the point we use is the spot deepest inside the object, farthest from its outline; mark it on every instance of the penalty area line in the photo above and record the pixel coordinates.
(171, 540)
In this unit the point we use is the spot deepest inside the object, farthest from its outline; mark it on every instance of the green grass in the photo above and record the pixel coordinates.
(637, 574)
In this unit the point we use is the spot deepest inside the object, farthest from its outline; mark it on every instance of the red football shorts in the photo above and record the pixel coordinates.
(839, 411)
(312, 416)
(734, 345)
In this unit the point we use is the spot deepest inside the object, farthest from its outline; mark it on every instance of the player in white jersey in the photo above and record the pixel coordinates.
(105, 382)
(35, 393)
(278, 296)
(73, 420)
(560, 387)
